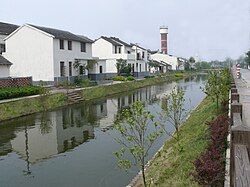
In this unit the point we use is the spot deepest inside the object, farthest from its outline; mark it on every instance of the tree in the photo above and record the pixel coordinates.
(173, 105)
(247, 59)
(120, 65)
(218, 85)
(88, 66)
(202, 65)
(136, 136)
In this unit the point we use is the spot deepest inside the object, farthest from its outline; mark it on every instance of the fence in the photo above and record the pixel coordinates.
(240, 144)
(15, 82)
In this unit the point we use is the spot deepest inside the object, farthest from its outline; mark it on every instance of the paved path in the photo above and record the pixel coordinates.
(243, 86)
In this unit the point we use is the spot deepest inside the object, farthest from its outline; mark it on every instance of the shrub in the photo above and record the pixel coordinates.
(149, 76)
(119, 78)
(130, 78)
(210, 167)
(8, 93)
(178, 75)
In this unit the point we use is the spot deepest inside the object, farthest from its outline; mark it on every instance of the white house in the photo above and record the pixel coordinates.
(5, 30)
(47, 54)
(108, 50)
(4, 67)
(169, 59)
(141, 68)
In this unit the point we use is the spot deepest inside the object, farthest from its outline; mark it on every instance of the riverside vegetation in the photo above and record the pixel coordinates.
(27, 106)
(202, 139)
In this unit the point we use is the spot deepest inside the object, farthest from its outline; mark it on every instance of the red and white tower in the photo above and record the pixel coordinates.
(164, 39)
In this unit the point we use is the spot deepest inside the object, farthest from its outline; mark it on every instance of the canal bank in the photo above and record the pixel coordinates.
(76, 143)
(177, 166)
(34, 104)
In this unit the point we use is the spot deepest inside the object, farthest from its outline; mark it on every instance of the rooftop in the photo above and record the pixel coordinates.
(7, 28)
(64, 35)
(4, 61)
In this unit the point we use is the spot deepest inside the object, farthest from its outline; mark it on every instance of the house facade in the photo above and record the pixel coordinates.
(47, 54)
(5, 30)
(107, 50)
(4, 67)
(165, 58)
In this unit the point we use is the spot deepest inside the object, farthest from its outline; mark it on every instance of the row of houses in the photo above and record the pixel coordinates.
(54, 55)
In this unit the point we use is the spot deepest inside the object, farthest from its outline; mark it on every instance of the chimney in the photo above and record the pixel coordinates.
(164, 39)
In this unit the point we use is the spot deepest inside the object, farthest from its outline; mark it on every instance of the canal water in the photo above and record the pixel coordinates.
(74, 146)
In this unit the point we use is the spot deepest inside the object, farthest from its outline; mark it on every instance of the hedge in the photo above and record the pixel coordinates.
(14, 92)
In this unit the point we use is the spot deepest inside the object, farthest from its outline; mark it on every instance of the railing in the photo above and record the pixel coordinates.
(240, 144)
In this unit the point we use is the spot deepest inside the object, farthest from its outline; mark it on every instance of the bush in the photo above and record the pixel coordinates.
(149, 76)
(84, 82)
(119, 78)
(130, 78)
(178, 75)
(210, 167)
(8, 93)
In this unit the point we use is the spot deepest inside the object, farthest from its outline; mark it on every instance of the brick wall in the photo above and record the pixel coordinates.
(15, 82)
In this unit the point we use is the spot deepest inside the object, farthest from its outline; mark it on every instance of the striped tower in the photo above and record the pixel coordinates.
(164, 39)
(238, 71)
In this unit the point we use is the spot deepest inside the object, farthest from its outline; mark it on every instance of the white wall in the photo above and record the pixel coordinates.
(4, 71)
(31, 53)
(102, 49)
(67, 56)
(96, 67)
(173, 61)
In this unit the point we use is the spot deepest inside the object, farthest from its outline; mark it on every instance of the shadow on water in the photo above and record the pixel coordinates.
(45, 143)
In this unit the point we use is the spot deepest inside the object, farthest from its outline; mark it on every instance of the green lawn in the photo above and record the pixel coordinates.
(172, 167)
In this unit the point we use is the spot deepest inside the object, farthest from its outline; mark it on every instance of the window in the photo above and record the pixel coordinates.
(62, 69)
(70, 68)
(69, 45)
(81, 70)
(143, 54)
(100, 69)
(138, 56)
(146, 67)
(83, 47)
(2, 48)
(61, 44)
(140, 67)
(117, 49)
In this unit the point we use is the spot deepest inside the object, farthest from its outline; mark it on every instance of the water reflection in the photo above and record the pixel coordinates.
(38, 137)
(30, 140)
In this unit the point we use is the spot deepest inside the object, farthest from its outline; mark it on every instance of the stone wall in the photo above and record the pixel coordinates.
(15, 82)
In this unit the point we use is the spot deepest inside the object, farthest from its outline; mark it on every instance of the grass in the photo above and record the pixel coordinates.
(31, 105)
(172, 167)
(108, 90)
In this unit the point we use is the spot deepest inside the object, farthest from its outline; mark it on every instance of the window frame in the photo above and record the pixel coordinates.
(70, 45)
(83, 47)
(61, 44)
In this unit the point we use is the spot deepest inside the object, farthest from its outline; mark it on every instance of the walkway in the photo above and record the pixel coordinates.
(243, 86)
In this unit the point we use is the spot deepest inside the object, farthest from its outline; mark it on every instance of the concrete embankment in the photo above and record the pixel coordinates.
(33, 104)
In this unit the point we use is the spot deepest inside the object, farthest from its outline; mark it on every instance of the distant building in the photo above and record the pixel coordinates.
(168, 59)
(110, 49)
(5, 30)
(4, 67)
(47, 54)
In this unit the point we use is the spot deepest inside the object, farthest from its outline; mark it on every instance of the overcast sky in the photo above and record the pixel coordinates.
(211, 29)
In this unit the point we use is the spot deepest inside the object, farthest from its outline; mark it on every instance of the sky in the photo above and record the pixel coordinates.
(207, 29)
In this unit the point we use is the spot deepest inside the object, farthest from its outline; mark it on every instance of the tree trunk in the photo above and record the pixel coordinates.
(143, 173)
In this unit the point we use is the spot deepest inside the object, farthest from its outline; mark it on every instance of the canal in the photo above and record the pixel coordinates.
(73, 146)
